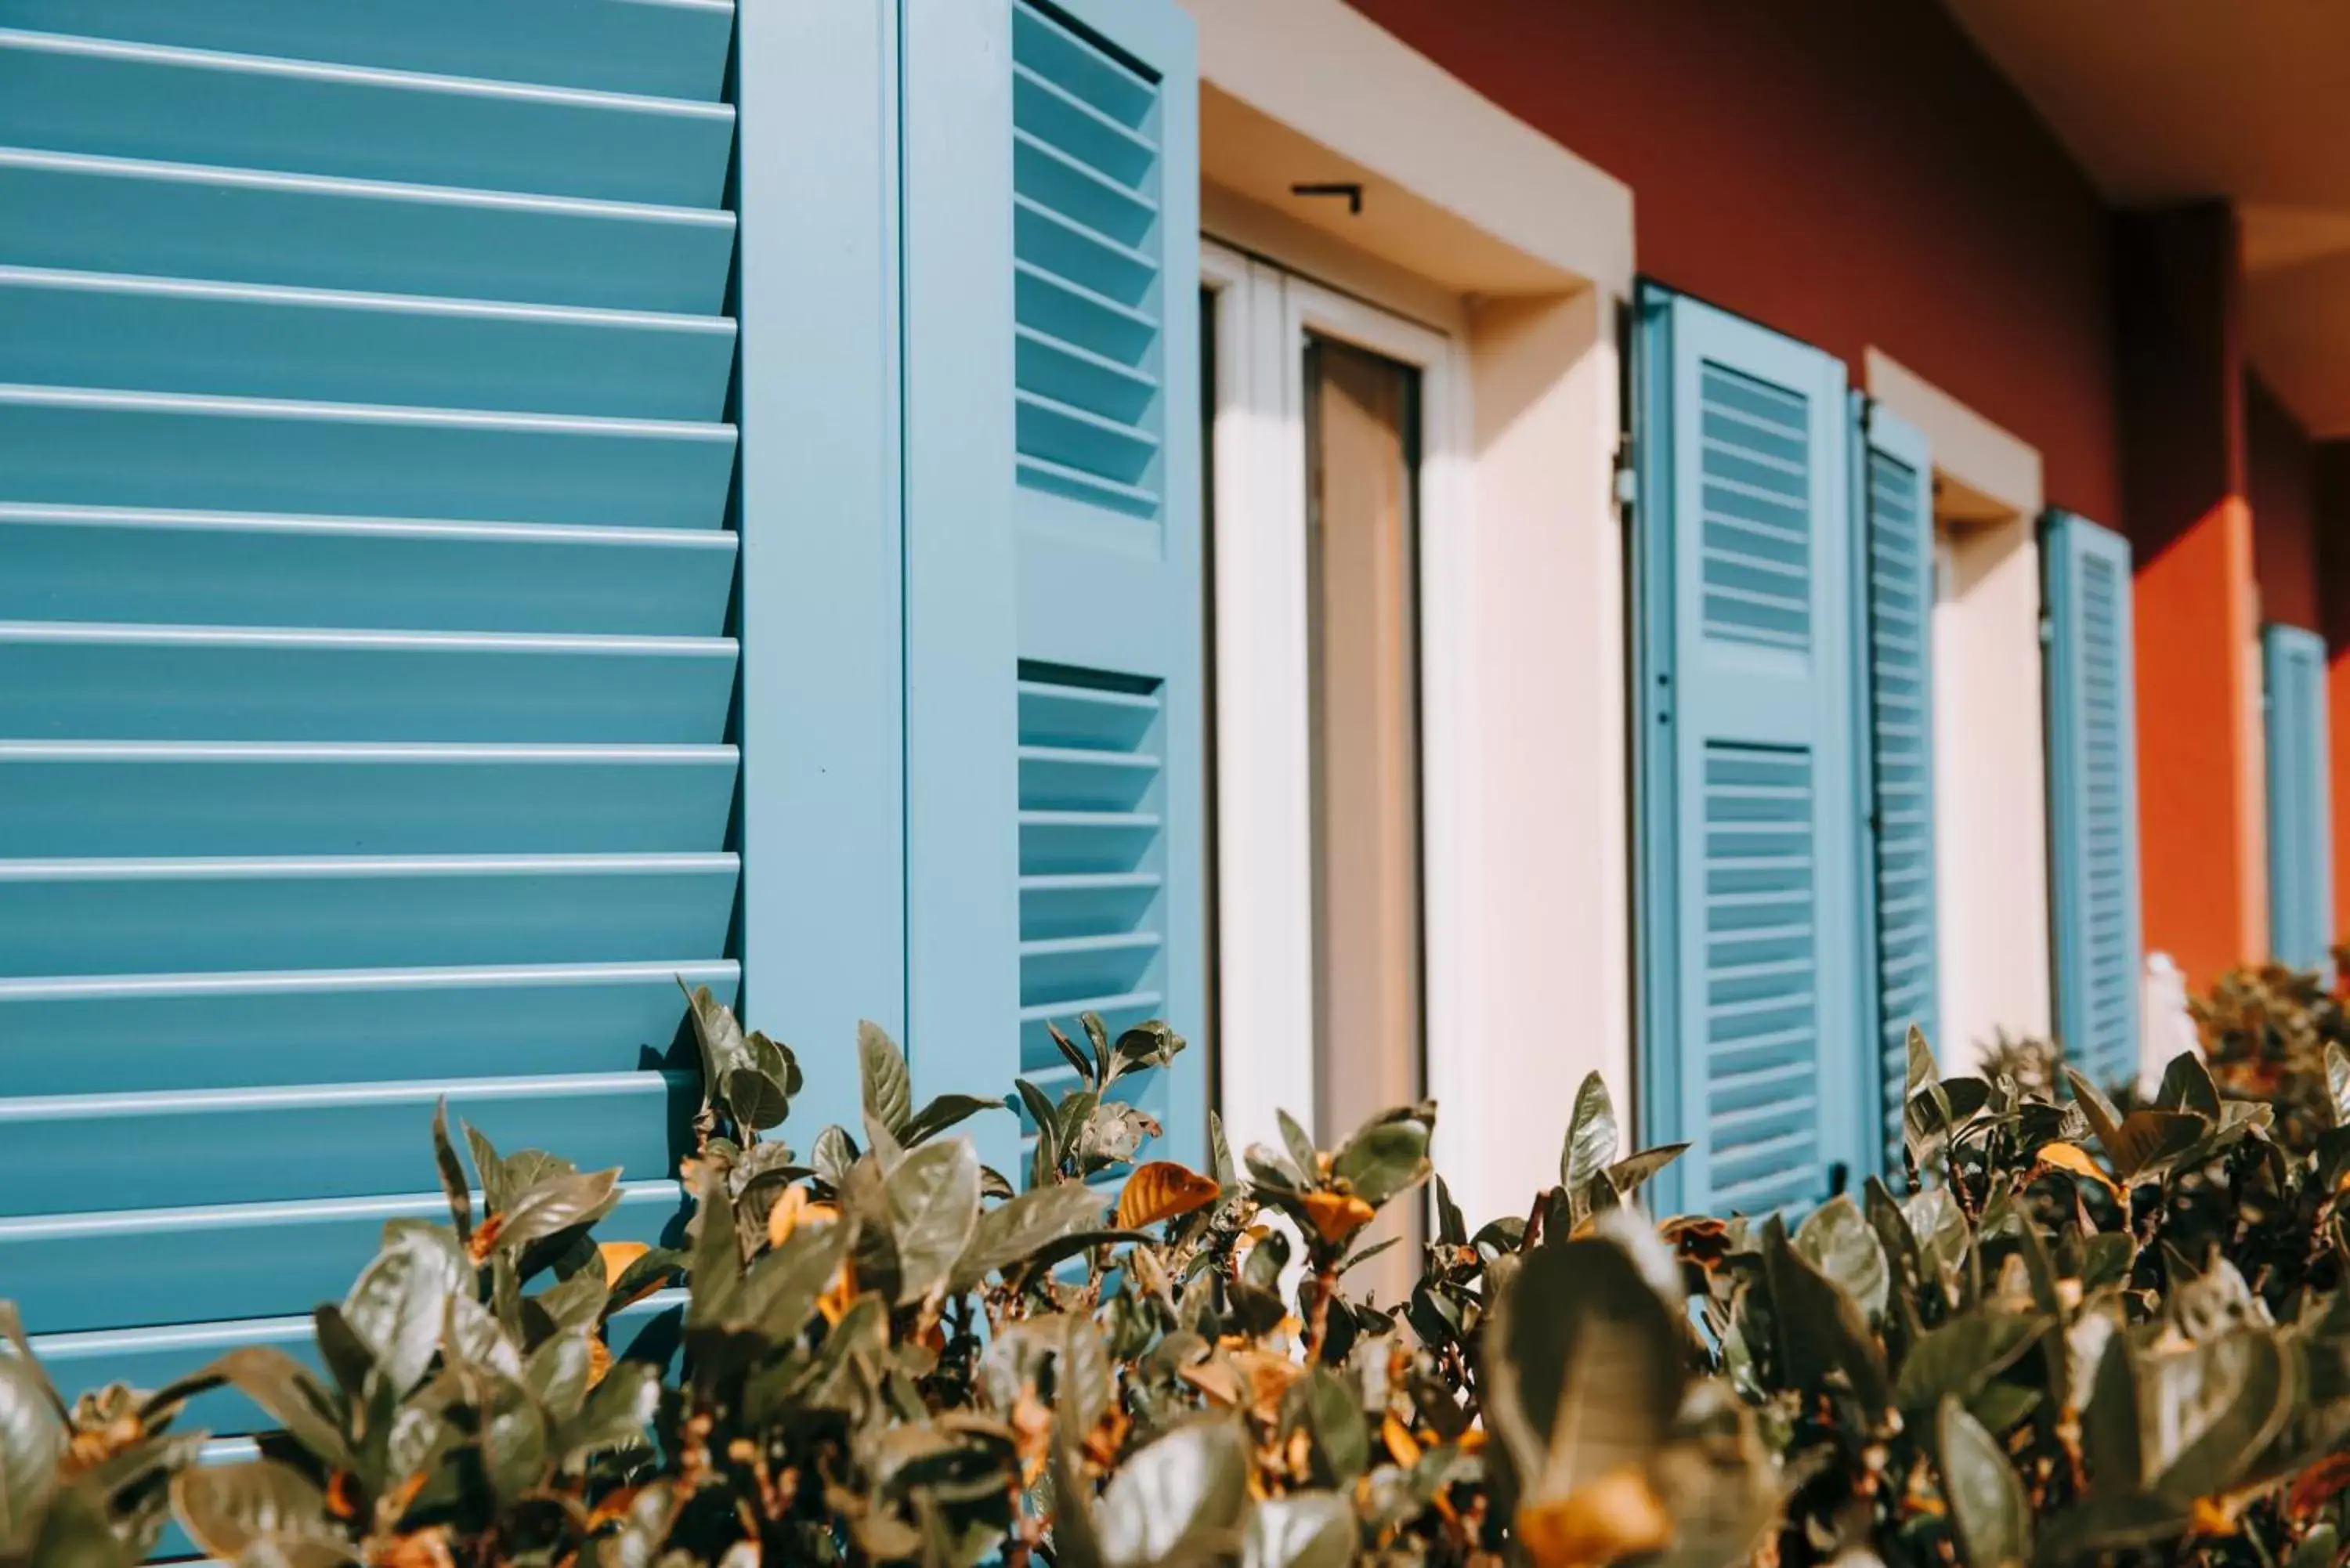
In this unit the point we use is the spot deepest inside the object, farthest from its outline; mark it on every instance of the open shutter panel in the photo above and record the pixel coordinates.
(1748, 773)
(2301, 851)
(365, 564)
(1056, 842)
(2092, 784)
(1111, 767)
(1895, 485)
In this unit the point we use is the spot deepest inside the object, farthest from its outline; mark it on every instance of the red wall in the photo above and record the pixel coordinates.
(2281, 480)
(1853, 173)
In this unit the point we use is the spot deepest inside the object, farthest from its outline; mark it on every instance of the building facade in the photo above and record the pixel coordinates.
(1440, 548)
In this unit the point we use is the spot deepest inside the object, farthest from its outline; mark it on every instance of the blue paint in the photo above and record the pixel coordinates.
(1750, 909)
(2092, 794)
(2300, 799)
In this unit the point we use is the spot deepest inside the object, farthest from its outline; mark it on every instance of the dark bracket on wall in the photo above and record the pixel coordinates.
(1349, 189)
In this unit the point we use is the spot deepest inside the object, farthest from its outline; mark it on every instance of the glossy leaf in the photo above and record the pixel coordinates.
(1591, 1135)
(1987, 1506)
(1182, 1498)
(933, 1209)
(888, 1088)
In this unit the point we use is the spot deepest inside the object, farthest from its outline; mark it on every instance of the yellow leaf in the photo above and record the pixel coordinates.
(2208, 1517)
(784, 1217)
(837, 1300)
(1401, 1444)
(600, 1361)
(1162, 1190)
(1269, 1378)
(2075, 1160)
(1615, 1516)
(617, 1256)
(1337, 1215)
(1215, 1378)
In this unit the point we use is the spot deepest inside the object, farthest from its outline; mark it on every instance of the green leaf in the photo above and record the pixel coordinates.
(1085, 1384)
(1098, 1036)
(1220, 1155)
(759, 1092)
(2112, 1439)
(1181, 1497)
(1088, 1072)
(888, 1088)
(944, 1112)
(833, 1153)
(556, 1374)
(1632, 1172)
(1820, 1329)
(617, 1414)
(513, 1436)
(2187, 1085)
(452, 1173)
(2337, 1081)
(1837, 1239)
(1986, 1496)
(1269, 1167)
(1303, 1530)
(1150, 1043)
(1584, 1365)
(557, 1204)
(399, 1302)
(1940, 1226)
(720, 1035)
(1591, 1135)
(1302, 1152)
(32, 1441)
(1923, 1069)
(2106, 1259)
(716, 1270)
(1959, 1357)
(780, 1292)
(2219, 1405)
(1045, 1164)
(1330, 1409)
(1383, 1159)
(1010, 1232)
(289, 1396)
(933, 1199)
(264, 1508)
(491, 1170)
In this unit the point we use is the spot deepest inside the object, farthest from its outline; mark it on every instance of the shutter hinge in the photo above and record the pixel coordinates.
(2047, 630)
(1627, 476)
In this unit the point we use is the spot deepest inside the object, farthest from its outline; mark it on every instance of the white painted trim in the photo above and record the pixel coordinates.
(2001, 467)
(1335, 76)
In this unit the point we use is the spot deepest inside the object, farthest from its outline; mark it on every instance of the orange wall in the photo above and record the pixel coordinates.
(2280, 481)
(2182, 373)
(1853, 173)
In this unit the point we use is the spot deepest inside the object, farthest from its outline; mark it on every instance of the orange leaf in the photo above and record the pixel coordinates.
(1162, 1190)
(617, 1256)
(1401, 1444)
(1614, 1516)
(1337, 1215)
(2075, 1160)
(2318, 1485)
(600, 1361)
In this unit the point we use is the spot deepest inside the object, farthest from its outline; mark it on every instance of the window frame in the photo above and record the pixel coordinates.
(1265, 313)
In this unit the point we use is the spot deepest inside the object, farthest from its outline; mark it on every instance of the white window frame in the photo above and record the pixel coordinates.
(1264, 316)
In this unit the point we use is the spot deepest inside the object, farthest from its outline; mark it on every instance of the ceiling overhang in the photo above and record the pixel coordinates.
(2175, 100)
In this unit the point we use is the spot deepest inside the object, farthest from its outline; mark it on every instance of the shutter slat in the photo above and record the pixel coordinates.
(243, 111)
(365, 562)
(170, 335)
(191, 220)
(204, 798)
(241, 1259)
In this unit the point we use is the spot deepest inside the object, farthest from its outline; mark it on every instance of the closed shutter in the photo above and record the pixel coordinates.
(1056, 674)
(2301, 849)
(1748, 777)
(2092, 794)
(365, 666)
(1895, 485)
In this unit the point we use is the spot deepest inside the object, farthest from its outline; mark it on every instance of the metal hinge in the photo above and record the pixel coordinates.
(1627, 476)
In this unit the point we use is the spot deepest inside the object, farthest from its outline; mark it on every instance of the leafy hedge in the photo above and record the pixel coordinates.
(2076, 1333)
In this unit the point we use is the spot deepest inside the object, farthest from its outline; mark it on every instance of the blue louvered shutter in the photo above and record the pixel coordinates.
(365, 661)
(1894, 482)
(1748, 767)
(1054, 726)
(2300, 818)
(2092, 794)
